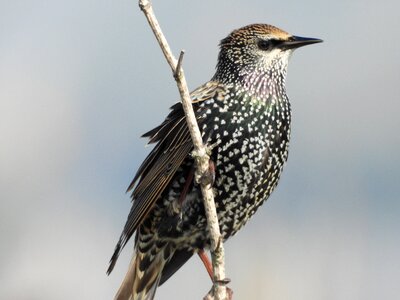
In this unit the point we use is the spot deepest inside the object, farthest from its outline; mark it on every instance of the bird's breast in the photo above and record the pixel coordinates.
(251, 138)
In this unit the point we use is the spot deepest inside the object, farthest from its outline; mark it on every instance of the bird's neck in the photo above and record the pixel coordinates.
(260, 83)
(264, 84)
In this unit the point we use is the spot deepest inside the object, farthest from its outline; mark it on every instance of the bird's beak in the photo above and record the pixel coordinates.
(297, 41)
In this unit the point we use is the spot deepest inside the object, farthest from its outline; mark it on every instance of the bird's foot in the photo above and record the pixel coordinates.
(224, 281)
(209, 176)
(207, 263)
(210, 295)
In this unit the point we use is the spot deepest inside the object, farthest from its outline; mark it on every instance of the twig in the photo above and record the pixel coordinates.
(200, 154)
(179, 65)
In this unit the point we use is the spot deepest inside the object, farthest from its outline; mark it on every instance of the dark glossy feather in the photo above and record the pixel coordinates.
(179, 258)
(174, 144)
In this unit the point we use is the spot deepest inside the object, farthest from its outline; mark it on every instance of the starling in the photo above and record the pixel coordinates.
(244, 111)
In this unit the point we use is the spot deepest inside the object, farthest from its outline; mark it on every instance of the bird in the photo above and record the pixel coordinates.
(245, 113)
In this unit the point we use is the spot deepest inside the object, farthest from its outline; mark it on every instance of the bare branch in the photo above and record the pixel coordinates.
(200, 154)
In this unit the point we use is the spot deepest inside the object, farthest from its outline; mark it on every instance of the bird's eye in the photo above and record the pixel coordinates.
(264, 44)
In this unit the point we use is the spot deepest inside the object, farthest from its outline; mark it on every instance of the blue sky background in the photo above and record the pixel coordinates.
(80, 81)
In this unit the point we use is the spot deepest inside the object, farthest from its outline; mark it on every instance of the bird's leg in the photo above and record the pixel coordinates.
(175, 209)
(189, 179)
(211, 171)
(185, 190)
(207, 263)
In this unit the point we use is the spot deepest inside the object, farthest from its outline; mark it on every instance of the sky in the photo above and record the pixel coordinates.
(80, 81)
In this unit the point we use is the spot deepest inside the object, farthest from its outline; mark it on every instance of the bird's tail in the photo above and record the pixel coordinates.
(144, 274)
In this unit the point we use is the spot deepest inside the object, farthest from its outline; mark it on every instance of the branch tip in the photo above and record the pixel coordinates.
(144, 5)
(179, 64)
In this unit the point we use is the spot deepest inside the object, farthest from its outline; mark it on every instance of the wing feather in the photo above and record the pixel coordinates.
(174, 144)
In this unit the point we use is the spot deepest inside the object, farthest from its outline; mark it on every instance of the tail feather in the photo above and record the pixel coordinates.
(125, 290)
(144, 274)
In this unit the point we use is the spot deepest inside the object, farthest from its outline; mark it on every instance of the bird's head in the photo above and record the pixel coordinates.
(257, 48)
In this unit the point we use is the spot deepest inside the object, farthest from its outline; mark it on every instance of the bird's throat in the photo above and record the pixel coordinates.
(264, 85)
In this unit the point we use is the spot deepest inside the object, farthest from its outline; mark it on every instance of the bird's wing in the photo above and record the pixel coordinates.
(174, 144)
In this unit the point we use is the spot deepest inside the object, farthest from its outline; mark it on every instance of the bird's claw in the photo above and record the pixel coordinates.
(210, 295)
(224, 281)
(209, 176)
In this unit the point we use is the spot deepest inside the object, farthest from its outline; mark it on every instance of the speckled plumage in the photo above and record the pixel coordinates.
(244, 111)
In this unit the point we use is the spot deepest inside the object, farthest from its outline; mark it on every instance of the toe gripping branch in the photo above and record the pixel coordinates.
(208, 265)
(208, 177)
